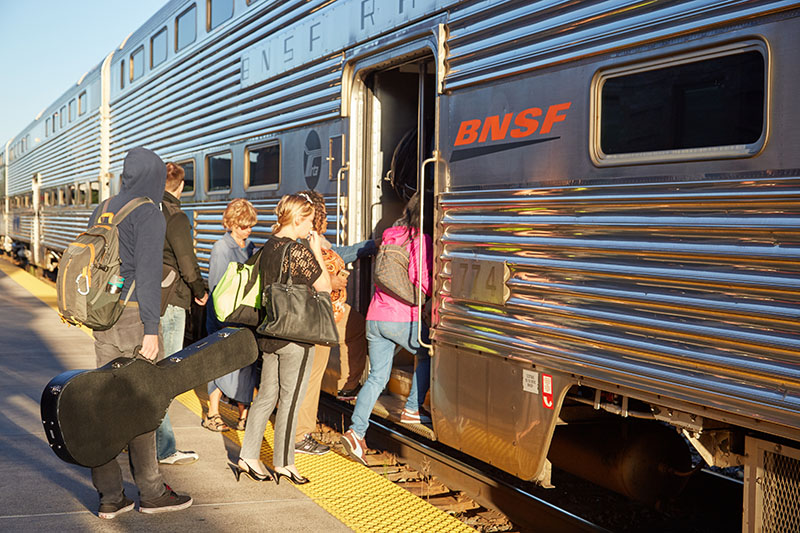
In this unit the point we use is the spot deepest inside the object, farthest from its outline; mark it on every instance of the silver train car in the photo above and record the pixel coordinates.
(615, 192)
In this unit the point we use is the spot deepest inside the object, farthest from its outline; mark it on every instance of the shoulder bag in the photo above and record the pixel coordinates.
(237, 296)
(297, 312)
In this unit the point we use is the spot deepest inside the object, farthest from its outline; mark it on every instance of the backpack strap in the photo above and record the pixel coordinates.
(128, 208)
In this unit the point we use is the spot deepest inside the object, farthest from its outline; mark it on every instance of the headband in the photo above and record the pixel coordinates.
(308, 198)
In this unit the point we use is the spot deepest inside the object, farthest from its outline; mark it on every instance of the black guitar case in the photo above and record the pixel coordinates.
(89, 416)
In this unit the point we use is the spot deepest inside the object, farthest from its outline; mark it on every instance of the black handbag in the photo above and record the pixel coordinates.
(297, 312)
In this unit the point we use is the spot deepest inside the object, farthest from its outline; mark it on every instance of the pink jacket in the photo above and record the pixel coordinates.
(388, 309)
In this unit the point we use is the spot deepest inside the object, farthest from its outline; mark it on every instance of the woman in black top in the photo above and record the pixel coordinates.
(286, 365)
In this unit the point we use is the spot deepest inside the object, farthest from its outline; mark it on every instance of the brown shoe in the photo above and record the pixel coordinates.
(215, 423)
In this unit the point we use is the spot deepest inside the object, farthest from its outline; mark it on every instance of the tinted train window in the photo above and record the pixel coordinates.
(122, 74)
(263, 165)
(188, 176)
(713, 107)
(62, 116)
(47, 127)
(82, 103)
(219, 171)
(218, 12)
(158, 48)
(73, 110)
(137, 63)
(186, 28)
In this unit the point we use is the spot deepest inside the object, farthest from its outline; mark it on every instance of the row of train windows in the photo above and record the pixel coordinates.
(184, 34)
(262, 168)
(77, 107)
(18, 149)
(77, 195)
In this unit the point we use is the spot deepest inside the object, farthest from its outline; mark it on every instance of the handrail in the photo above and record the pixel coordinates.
(421, 188)
(341, 171)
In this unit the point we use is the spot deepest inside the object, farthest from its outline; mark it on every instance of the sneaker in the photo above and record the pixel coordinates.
(311, 446)
(179, 458)
(354, 446)
(348, 394)
(169, 501)
(111, 510)
(414, 417)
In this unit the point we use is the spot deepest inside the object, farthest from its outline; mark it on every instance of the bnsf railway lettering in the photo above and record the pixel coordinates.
(526, 122)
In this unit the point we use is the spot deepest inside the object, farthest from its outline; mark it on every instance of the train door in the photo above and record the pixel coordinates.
(393, 128)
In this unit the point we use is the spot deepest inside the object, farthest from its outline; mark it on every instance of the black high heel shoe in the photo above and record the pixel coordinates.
(255, 476)
(291, 476)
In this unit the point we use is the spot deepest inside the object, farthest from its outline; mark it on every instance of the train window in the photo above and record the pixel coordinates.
(188, 177)
(62, 116)
(122, 74)
(55, 121)
(158, 48)
(94, 192)
(186, 28)
(47, 127)
(218, 169)
(82, 103)
(137, 63)
(218, 12)
(700, 106)
(73, 108)
(263, 165)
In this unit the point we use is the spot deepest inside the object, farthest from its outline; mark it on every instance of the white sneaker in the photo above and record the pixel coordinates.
(179, 458)
(354, 446)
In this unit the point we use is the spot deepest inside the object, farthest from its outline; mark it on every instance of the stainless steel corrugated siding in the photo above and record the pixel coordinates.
(21, 225)
(72, 155)
(60, 228)
(691, 291)
(198, 102)
(496, 38)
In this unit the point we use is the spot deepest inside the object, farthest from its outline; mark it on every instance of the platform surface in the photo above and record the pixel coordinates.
(39, 492)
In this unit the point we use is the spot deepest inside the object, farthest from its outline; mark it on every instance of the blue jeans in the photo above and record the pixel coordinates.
(384, 339)
(173, 325)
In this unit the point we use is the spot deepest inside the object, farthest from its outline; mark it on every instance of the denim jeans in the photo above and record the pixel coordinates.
(384, 339)
(173, 324)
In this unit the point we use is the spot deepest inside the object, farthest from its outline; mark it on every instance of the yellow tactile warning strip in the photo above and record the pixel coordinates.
(360, 498)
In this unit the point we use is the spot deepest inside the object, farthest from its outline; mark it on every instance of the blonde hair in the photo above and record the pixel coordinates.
(240, 213)
(291, 206)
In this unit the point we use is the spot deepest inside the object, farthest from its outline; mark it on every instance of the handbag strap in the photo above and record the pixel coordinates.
(286, 248)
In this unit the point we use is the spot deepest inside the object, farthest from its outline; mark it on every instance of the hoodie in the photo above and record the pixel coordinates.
(141, 233)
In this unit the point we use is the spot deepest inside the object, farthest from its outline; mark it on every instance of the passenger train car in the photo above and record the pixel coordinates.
(615, 190)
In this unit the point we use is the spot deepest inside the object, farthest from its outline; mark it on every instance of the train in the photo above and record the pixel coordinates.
(615, 203)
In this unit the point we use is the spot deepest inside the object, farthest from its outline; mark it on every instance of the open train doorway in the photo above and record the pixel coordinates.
(396, 103)
(393, 129)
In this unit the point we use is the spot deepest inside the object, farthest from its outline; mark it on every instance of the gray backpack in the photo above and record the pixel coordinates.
(390, 273)
(88, 286)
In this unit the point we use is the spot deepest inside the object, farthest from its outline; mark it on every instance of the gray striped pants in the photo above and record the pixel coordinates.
(284, 379)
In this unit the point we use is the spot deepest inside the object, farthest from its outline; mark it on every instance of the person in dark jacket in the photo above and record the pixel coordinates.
(141, 247)
(185, 283)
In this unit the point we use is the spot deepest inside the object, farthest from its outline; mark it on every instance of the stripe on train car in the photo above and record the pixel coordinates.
(361, 499)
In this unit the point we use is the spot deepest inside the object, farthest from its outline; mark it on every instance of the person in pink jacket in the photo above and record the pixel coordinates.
(393, 324)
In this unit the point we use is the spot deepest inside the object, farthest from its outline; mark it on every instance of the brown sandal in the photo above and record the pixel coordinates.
(241, 423)
(215, 423)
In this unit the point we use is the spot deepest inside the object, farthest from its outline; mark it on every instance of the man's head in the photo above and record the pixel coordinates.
(175, 174)
(143, 174)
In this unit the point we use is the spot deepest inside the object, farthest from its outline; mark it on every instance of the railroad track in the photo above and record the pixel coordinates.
(482, 483)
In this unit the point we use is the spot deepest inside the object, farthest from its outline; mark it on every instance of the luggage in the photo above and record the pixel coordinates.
(89, 416)
(88, 286)
(237, 295)
(390, 273)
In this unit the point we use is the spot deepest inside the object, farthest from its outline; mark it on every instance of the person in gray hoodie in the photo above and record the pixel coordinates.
(141, 245)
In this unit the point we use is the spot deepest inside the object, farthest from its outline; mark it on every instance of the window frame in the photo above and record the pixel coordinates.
(207, 168)
(73, 109)
(152, 47)
(82, 103)
(177, 32)
(181, 163)
(600, 159)
(209, 27)
(247, 150)
(62, 116)
(131, 67)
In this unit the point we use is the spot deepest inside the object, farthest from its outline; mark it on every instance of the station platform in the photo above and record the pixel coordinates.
(39, 491)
